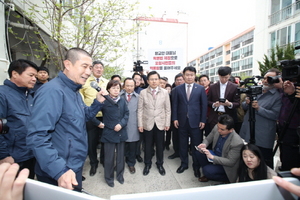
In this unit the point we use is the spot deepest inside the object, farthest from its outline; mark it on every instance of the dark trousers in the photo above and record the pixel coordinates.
(168, 137)
(52, 181)
(94, 132)
(196, 136)
(149, 137)
(289, 150)
(130, 153)
(139, 144)
(175, 139)
(109, 161)
(207, 129)
(211, 171)
(29, 164)
(268, 156)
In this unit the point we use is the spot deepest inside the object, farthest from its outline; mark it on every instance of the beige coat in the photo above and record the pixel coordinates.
(152, 111)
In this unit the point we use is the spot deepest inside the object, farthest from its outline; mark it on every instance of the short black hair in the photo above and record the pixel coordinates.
(224, 71)
(226, 120)
(114, 76)
(178, 75)
(43, 69)
(97, 62)
(129, 79)
(20, 66)
(274, 70)
(135, 73)
(112, 83)
(73, 54)
(152, 73)
(189, 68)
(203, 75)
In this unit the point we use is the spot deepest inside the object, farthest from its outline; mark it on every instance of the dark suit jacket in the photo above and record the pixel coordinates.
(195, 108)
(230, 94)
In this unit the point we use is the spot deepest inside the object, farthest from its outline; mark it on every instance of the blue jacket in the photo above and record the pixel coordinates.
(57, 133)
(113, 115)
(15, 106)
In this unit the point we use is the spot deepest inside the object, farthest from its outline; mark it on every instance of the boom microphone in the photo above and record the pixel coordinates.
(96, 87)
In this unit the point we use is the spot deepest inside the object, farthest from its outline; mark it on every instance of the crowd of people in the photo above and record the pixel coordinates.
(55, 124)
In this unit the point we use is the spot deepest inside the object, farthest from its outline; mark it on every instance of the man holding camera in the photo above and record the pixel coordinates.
(223, 97)
(289, 140)
(266, 108)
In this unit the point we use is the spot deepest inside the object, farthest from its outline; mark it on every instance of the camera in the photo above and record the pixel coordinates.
(3, 126)
(222, 100)
(251, 87)
(273, 79)
(137, 66)
(291, 70)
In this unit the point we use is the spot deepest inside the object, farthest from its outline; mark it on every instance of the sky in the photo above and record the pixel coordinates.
(210, 23)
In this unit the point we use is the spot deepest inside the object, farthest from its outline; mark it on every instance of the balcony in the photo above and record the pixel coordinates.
(284, 14)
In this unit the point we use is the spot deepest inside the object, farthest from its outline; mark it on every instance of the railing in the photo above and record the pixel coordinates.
(284, 13)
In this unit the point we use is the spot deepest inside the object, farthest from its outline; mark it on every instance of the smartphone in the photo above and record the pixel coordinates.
(222, 100)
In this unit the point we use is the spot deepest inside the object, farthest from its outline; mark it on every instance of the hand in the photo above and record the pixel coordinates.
(176, 123)
(167, 128)
(255, 105)
(8, 159)
(202, 145)
(287, 185)
(141, 129)
(117, 128)
(247, 100)
(201, 125)
(100, 95)
(11, 188)
(67, 180)
(288, 87)
(227, 103)
(101, 125)
(298, 92)
(216, 104)
(207, 153)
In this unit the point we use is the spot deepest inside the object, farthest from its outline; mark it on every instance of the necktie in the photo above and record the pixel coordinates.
(129, 97)
(153, 94)
(97, 80)
(188, 92)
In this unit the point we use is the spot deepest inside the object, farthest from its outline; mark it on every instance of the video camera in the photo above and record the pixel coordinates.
(291, 70)
(251, 87)
(3, 126)
(137, 66)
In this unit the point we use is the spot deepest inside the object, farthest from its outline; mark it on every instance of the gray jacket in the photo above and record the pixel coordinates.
(132, 125)
(265, 119)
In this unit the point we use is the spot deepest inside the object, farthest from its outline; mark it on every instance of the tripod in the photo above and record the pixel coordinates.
(251, 120)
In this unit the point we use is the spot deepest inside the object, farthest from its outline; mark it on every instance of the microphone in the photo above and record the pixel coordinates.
(96, 87)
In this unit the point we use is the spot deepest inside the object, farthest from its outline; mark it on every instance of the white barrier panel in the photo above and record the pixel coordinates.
(258, 190)
(35, 190)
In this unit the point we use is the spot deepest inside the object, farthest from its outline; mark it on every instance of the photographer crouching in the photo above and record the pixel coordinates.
(266, 110)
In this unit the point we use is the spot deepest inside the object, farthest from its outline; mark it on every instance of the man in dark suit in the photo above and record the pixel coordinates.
(223, 97)
(189, 107)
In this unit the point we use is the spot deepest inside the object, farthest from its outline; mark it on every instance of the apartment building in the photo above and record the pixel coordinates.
(236, 53)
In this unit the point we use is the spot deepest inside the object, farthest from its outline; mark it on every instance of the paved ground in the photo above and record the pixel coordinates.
(138, 183)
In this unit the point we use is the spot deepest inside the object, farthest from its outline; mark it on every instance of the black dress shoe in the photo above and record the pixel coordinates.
(93, 170)
(83, 178)
(139, 158)
(197, 173)
(146, 170)
(161, 170)
(167, 147)
(174, 155)
(181, 169)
